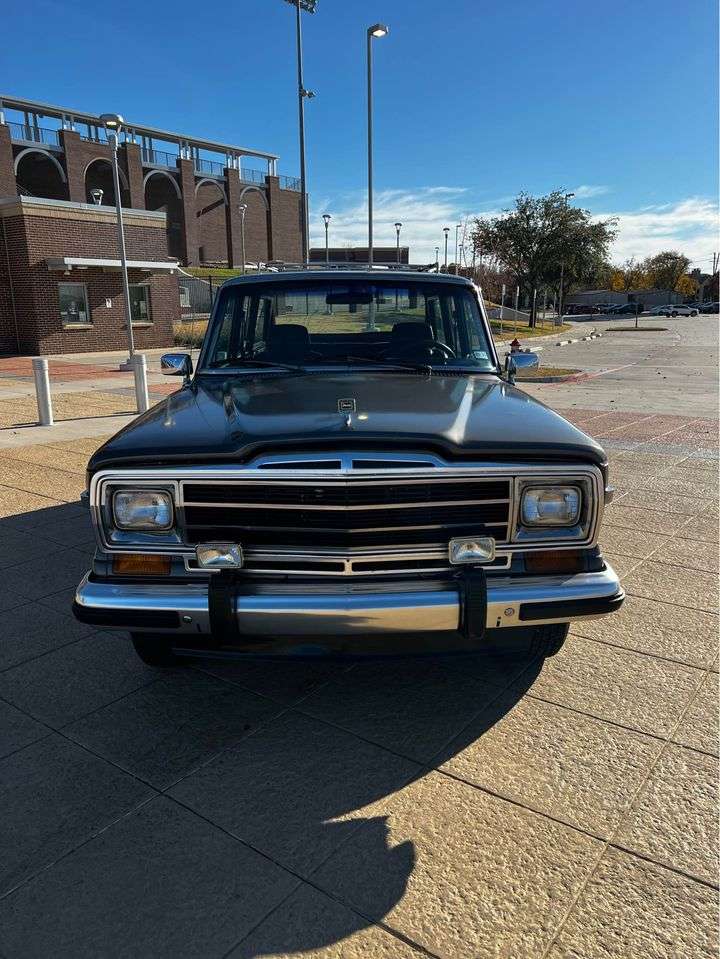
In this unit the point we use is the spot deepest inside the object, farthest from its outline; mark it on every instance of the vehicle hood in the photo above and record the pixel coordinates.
(456, 416)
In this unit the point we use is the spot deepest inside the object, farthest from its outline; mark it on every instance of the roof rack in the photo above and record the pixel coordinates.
(282, 267)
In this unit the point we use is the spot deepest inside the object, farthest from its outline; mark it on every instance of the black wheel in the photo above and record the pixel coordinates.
(549, 639)
(155, 649)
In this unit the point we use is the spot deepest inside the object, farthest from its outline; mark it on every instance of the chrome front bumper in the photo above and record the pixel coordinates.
(348, 610)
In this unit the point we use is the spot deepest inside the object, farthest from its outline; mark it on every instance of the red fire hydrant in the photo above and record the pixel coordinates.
(515, 346)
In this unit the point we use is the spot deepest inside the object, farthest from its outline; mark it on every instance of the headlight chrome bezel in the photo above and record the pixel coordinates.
(140, 526)
(580, 531)
(564, 491)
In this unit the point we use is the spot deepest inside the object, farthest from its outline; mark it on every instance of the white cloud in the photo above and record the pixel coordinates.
(585, 191)
(690, 225)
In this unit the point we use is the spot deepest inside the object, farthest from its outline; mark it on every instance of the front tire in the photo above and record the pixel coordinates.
(155, 649)
(549, 639)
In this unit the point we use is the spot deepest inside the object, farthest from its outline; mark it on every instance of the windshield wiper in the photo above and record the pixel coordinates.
(390, 364)
(245, 361)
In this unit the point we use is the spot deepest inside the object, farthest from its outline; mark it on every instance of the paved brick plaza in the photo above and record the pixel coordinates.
(456, 807)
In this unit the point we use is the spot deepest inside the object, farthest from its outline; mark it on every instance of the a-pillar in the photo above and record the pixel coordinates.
(186, 170)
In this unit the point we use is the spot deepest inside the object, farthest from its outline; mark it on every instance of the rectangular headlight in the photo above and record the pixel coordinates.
(142, 509)
(550, 506)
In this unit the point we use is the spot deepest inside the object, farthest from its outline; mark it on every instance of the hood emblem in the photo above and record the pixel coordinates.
(347, 406)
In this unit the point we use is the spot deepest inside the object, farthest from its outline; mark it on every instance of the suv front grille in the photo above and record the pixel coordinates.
(345, 513)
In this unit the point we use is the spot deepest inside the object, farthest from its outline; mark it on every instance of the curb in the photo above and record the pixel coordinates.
(569, 378)
(592, 335)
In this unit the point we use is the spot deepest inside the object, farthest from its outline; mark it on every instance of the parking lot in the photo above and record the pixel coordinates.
(449, 806)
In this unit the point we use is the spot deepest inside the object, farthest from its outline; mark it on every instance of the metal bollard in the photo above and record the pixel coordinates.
(141, 387)
(42, 390)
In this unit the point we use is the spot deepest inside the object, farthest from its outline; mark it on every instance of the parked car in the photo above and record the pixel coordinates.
(710, 308)
(623, 309)
(349, 468)
(676, 309)
(581, 309)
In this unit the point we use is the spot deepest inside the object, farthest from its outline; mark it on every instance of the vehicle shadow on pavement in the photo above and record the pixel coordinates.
(222, 785)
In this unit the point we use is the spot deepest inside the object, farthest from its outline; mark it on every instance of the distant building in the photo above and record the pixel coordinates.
(648, 298)
(183, 197)
(359, 254)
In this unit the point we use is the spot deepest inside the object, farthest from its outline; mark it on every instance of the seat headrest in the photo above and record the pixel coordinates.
(412, 332)
(289, 335)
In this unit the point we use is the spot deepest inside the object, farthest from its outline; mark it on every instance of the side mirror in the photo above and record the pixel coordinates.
(176, 364)
(520, 361)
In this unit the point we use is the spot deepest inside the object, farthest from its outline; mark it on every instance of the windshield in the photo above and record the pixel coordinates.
(314, 322)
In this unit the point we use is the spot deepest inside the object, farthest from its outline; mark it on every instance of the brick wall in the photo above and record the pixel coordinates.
(8, 186)
(285, 230)
(211, 212)
(37, 232)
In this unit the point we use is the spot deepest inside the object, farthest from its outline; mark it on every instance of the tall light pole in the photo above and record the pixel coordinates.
(446, 230)
(309, 7)
(242, 208)
(458, 226)
(568, 196)
(397, 244)
(327, 218)
(437, 257)
(113, 124)
(376, 32)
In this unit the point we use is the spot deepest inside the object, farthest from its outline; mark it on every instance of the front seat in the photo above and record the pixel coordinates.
(288, 343)
(411, 341)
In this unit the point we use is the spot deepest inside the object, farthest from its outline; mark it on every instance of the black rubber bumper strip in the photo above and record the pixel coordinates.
(530, 612)
(127, 618)
(222, 610)
(474, 593)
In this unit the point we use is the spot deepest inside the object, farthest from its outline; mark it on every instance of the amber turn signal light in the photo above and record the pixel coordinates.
(555, 561)
(137, 564)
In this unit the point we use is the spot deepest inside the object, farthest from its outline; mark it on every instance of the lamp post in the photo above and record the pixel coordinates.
(327, 218)
(376, 32)
(437, 257)
(309, 7)
(568, 196)
(242, 207)
(458, 227)
(397, 243)
(97, 195)
(446, 230)
(113, 124)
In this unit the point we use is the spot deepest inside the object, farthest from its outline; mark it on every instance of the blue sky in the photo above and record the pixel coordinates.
(475, 101)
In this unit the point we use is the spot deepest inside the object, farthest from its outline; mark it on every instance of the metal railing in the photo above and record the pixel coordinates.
(290, 183)
(252, 176)
(32, 134)
(159, 157)
(210, 167)
(99, 137)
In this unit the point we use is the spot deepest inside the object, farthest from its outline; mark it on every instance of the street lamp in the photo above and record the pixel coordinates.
(113, 123)
(327, 218)
(242, 207)
(437, 257)
(458, 227)
(97, 195)
(309, 7)
(446, 230)
(397, 245)
(376, 32)
(568, 196)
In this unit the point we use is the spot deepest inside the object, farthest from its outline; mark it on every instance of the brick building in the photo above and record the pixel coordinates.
(183, 196)
(61, 284)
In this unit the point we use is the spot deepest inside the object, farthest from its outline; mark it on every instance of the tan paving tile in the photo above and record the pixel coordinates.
(646, 520)
(575, 768)
(670, 584)
(674, 819)
(699, 728)
(631, 542)
(623, 565)
(701, 483)
(47, 456)
(31, 478)
(690, 554)
(661, 629)
(86, 445)
(666, 502)
(14, 502)
(625, 687)
(633, 909)
(311, 923)
(460, 872)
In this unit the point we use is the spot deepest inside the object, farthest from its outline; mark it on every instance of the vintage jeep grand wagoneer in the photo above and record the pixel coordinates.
(349, 469)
